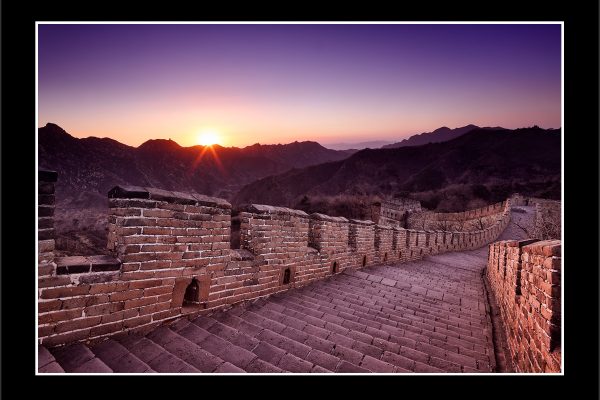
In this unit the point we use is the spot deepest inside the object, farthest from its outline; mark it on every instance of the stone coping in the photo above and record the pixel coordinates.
(324, 217)
(150, 193)
(84, 264)
(362, 222)
(266, 209)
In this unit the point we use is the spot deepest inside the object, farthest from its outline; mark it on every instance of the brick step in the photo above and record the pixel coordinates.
(282, 353)
(46, 361)
(297, 337)
(79, 358)
(194, 352)
(479, 335)
(295, 355)
(379, 340)
(361, 348)
(259, 364)
(468, 284)
(463, 285)
(157, 357)
(352, 354)
(348, 291)
(355, 284)
(305, 352)
(416, 298)
(234, 349)
(265, 351)
(401, 355)
(118, 358)
(390, 322)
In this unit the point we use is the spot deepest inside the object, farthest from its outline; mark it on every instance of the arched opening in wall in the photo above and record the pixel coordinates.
(192, 293)
(334, 267)
(236, 223)
(421, 252)
(364, 261)
(385, 257)
(287, 276)
(399, 254)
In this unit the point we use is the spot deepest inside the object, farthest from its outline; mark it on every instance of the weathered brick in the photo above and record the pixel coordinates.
(67, 291)
(126, 295)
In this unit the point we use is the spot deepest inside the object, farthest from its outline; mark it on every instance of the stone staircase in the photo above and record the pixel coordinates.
(426, 316)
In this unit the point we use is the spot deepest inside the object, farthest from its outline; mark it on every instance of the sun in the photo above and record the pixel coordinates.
(208, 137)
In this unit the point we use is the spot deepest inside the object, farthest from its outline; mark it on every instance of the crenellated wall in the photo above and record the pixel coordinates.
(471, 220)
(525, 279)
(172, 257)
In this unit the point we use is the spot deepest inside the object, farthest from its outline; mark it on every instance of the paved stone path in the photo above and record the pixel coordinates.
(430, 315)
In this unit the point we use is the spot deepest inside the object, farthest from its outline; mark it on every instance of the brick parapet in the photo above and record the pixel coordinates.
(525, 279)
(161, 241)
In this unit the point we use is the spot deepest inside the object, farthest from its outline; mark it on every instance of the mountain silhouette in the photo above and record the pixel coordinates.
(525, 160)
(442, 134)
(89, 167)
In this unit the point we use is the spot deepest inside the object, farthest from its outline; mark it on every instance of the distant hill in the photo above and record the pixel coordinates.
(372, 144)
(442, 134)
(485, 162)
(88, 168)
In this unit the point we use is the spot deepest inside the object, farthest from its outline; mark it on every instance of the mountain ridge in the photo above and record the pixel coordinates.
(94, 165)
(501, 160)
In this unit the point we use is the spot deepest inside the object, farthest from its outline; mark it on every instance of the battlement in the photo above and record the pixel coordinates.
(172, 256)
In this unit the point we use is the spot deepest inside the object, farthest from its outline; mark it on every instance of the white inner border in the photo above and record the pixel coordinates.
(562, 157)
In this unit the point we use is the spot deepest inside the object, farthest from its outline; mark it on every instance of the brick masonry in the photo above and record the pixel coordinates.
(525, 279)
(165, 242)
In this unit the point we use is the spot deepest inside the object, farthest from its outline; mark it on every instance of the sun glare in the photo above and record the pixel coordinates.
(208, 138)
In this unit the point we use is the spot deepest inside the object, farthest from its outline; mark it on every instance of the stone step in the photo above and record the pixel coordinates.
(386, 309)
(417, 298)
(274, 346)
(192, 351)
(375, 341)
(473, 338)
(46, 361)
(343, 346)
(284, 354)
(459, 284)
(118, 358)
(159, 359)
(79, 358)
(468, 283)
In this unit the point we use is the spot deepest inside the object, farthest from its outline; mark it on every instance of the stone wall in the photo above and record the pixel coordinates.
(466, 221)
(524, 277)
(172, 257)
(394, 212)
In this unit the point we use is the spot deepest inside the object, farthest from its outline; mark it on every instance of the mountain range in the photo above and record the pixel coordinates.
(497, 161)
(88, 168)
(480, 166)
(442, 134)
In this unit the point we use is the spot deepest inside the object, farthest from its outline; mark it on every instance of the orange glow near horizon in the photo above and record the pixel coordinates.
(208, 137)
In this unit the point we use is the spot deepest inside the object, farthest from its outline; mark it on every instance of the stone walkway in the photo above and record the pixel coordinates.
(427, 316)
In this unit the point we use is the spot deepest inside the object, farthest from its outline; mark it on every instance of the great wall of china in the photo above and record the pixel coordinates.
(172, 258)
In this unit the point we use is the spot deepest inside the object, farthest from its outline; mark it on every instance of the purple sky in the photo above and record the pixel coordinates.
(280, 83)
